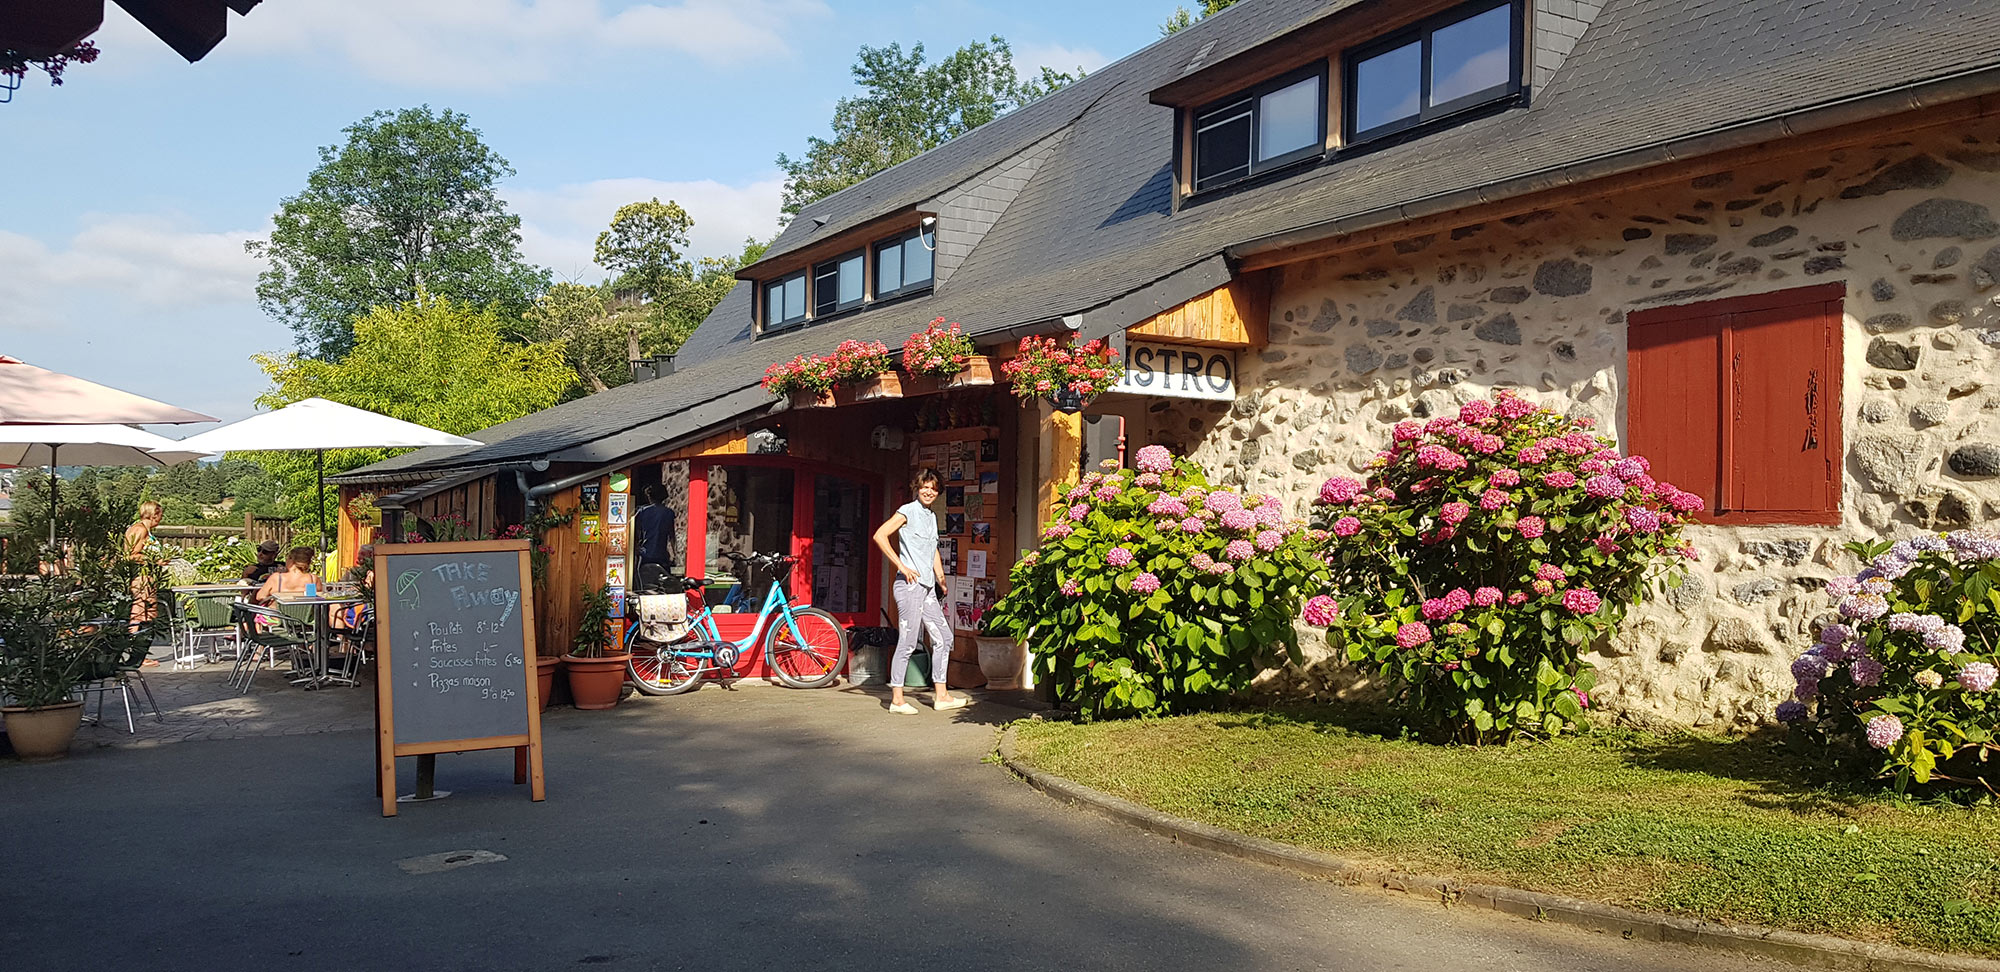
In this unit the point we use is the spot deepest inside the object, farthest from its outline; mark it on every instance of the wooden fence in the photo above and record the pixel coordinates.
(255, 530)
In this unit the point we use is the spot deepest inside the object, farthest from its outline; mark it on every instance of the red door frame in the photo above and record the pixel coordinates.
(802, 520)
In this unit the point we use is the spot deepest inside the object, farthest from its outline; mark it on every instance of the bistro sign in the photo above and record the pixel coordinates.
(1179, 371)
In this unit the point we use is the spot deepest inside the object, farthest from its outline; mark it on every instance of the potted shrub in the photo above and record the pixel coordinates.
(596, 673)
(1904, 685)
(1001, 656)
(805, 381)
(48, 646)
(1486, 553)
(1155, 592)
(1068, 375)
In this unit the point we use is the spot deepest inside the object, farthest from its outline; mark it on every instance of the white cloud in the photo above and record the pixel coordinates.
(1029, 59)
(147, 262)
(559, 226)
(495, 44)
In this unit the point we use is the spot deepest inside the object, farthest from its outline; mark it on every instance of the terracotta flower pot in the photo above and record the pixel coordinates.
(888, 384)
(596, 683)
(43, 733)
(1001, 661)
(978, 372)
(545, 677)
(807, 398)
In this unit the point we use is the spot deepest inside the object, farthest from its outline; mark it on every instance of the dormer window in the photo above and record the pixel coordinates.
(1460, 59)
(838, 285)
(785, 302)
(903, 264)
(1253, 131)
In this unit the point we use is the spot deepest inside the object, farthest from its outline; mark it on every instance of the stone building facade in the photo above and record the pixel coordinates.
(1539, 303)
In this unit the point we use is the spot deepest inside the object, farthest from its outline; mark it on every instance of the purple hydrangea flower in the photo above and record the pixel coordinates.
(1238, 520)
(1863, 606)
(1603, 486)
(1118, 557)
(1809, 665)
(1970, 545)
(1239, 550)
(1222, 502)
(1977, 676)
(1270, 540)
(1949, 638)
(1791, 710)
(1884, 730)
(1146, 583)
(1153, 459)
(1865, 671)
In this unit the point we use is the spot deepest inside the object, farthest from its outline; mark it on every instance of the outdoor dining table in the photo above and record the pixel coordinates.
(322, 625)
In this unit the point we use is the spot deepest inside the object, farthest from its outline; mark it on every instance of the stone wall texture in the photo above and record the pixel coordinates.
(1538, 303)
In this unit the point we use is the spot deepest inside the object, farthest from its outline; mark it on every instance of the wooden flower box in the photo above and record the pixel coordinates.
(807, 398)
(889, 384)
(978, 373)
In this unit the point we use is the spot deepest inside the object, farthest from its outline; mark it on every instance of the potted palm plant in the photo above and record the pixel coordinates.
(596, 673)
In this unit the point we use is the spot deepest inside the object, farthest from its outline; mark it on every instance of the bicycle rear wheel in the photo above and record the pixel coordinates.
(814, 659)
(660, 670)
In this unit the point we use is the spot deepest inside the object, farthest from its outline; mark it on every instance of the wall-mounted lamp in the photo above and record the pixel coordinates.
(928, 225)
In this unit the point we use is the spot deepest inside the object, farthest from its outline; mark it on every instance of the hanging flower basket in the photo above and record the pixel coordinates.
(1068, 375)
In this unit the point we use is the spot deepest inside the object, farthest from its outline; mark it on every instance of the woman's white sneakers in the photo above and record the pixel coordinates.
(956, 702)
(903, 708)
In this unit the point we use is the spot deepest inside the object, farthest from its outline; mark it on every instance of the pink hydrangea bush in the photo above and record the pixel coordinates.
(1901, 682)
(1154, 591)
(1486, 553)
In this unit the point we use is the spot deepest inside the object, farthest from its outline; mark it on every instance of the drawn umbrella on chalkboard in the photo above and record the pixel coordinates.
(407, 585)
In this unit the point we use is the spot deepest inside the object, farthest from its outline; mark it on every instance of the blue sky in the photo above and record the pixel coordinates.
(131, 188)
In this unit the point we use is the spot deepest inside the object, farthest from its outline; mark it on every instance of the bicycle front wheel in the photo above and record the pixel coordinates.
(815, 657)
(659, 670)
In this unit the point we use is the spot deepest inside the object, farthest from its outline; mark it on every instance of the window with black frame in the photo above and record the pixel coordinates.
(903, 264)
(1254, 131)
(1460, 59)
(837, 285)
(785, 302)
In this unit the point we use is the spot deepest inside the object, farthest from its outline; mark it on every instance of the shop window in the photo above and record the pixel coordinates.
(1460, 59)
(837, 285)
(841, 528)
(1739, 401)
(903, 264)
(749, 512)
(1260, 129)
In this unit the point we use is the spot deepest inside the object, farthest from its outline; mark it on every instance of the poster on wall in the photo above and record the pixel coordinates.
(615, 509)
(590, 499)
(617, 595)
(614, 540)
(614, 574)
(588, 529)
(975, 563)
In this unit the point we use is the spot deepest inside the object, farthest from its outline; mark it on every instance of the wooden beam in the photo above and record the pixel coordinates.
(734, 442)
(1235, 315)
(1955, 113)
(1061, 454)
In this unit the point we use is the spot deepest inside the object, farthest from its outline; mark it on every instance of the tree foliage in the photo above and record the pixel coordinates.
(434, 361)
(406, 207)
(645, 246)
(1182, 19)
(910, 106)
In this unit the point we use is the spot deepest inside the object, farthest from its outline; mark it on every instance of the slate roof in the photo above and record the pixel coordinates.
(1096, 224)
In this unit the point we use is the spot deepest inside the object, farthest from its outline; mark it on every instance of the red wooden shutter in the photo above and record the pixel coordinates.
(1674, 402)
(1782, 443)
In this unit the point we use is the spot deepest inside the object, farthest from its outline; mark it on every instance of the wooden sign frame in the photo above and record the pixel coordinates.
(527, 746)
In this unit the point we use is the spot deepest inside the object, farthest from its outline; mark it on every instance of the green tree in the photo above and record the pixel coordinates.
(910, 106)
(434, 361)
(573, 318)
(406, 207)
(645, 246)
(1182, 19)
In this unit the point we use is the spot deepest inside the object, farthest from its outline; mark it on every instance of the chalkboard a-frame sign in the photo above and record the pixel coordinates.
(455, 656)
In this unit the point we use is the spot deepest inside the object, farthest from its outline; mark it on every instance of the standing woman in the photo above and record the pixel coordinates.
(919, 590)
(139, 536)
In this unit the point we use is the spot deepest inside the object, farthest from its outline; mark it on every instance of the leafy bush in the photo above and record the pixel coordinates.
(221, 558)
(1484, 555)
(940, 350)
(1155, 592)
(1903, 684)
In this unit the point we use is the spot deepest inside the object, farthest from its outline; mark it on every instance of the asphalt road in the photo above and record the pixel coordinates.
(756, 829)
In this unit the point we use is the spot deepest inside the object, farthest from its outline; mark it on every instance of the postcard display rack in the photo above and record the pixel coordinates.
(975, 521)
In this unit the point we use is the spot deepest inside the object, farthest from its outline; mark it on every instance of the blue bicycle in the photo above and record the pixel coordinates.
(804, 646)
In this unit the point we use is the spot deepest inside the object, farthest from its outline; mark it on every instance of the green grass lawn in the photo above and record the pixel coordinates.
(1721, 829)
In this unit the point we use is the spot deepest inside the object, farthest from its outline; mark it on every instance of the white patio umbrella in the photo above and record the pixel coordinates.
(85, 445)
(39, 396)
(318, 425)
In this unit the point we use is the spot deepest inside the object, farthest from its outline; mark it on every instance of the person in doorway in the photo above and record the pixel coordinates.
(138, 538)
(919, 591)
(267, 562)
(655, 534)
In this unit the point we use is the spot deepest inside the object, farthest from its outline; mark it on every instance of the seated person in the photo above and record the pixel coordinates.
(350, 618)
(266, 565)
(291, 581)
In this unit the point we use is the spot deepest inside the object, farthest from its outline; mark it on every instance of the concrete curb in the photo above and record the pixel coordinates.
(1814, 951)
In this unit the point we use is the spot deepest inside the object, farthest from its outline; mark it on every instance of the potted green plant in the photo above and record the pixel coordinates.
(866, 368)
(55, 633)
(1001, 656)
(942, 356)
(596, 673)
